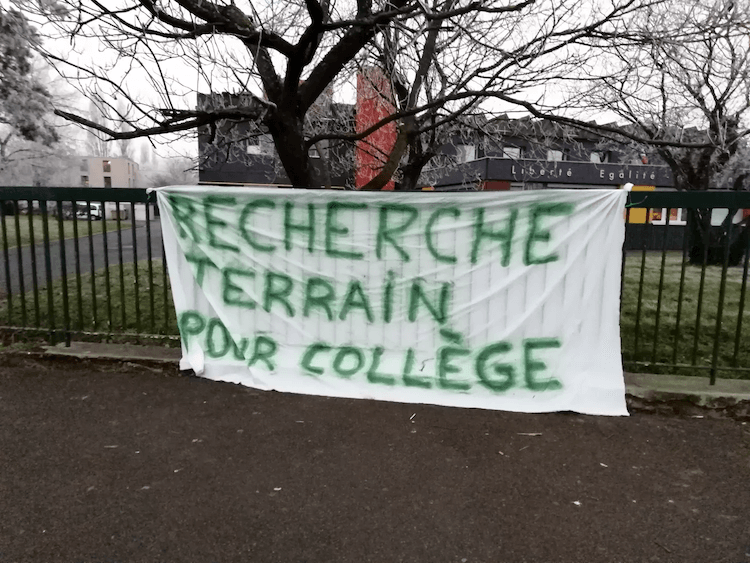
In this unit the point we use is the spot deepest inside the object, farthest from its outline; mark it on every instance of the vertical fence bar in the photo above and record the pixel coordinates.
(706, 240)
(741, 306)
(48, 272)
(77, 253)
(19, 248)
(135, 269)
(92, 267)
(622, 265)
(165, 283)
(107, 282)
(680, 293)
(150, 257)
(32, 249)
(640, 292)
(720, 307)
(64, 272)
(6, 260)
(661, 286)
(122, 265)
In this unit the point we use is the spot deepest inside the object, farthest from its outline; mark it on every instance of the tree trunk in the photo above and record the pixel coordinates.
(287, 133)
(409, 177)
(710, 244)
(412, 170)
(325, 169)
(391, 165)
(691, 174)
(698, 233)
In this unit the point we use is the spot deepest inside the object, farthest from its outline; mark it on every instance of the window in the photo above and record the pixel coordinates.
(677, 216)
(85, 181)
(555, 155)
(465, 153)
(253, 145)
(84, 165)
(599, 156)
(107, 181)
(512, 153)
(313, 152)
(106, 166)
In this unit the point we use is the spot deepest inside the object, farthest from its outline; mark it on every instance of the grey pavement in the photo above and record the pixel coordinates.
(24, 261)
(105, 461)
(118, 462)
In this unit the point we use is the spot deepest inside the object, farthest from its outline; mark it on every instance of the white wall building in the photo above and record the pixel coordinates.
(109, 172)
(113, 172)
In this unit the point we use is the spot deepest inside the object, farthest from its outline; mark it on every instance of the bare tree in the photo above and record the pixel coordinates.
(682, 86)
(172, 172)
(686, 81)
(97, 144)
(452, 72)
(279, 57)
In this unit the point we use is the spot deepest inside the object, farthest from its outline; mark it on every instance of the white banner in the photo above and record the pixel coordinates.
(496, 300)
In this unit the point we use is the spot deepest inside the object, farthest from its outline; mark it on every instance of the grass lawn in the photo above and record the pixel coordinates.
(671, 347)
(23, 234)
(100, 310)
(673, 344)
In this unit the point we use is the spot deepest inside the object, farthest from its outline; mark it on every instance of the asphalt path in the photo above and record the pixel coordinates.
(121, 464)
(21, 268)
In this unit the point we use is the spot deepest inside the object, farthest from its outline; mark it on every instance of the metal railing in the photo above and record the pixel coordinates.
(683, 309)
(83, 263)
(89, 264)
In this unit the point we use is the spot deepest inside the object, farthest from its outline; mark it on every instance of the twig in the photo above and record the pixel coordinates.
(663, 547)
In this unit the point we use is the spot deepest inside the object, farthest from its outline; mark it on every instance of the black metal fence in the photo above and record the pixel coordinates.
(683, 303)
(83, 263)
(89, 264)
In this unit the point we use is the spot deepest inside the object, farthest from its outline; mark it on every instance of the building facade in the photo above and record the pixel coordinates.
(501, 154)
(113, 172)
(241, 152)
(523, 154)
(109, 172)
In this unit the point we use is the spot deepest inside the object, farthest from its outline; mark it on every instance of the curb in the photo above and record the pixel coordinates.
(685, 395)
(118, 352)
(662, 394)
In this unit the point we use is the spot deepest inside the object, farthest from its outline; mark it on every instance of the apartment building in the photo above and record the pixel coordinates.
(113, 172)
(109, 172)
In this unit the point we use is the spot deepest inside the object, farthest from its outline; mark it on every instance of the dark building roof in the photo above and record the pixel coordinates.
(536, 153)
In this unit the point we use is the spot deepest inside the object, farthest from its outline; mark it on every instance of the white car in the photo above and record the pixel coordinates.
(97, 212)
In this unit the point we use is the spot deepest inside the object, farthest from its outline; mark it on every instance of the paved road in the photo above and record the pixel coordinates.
(117, 464)
(24, 272)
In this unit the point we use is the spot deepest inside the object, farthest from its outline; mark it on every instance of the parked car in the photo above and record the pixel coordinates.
(97, 211)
